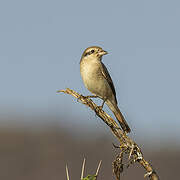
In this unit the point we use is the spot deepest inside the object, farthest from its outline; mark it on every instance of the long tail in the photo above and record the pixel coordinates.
(119, 116)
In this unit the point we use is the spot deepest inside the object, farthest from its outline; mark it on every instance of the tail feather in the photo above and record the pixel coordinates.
(122, 121)
(114, 108)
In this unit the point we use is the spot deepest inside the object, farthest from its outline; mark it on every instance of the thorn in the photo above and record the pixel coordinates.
(67, 173)
(148, 174)
(99, 165)
(83, 166)
(132, 149)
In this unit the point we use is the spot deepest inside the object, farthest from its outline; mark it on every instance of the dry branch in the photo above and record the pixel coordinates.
(127, 145)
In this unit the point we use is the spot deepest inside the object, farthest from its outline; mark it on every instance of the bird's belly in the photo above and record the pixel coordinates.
(95, 82)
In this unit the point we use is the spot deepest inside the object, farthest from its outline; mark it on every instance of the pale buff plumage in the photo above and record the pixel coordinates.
(98, 81)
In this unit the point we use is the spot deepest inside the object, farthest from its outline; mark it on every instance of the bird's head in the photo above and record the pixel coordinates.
(94, 52)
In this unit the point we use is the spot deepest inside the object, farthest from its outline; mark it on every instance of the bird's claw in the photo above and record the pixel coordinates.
(99, 108)
(79, 98)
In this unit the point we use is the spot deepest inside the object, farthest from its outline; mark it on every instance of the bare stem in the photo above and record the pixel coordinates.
(127, 145)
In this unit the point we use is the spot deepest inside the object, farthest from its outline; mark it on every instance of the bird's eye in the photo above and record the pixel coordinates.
(92, 51)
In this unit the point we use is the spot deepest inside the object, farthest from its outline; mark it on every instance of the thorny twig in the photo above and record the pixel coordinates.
(127, 145)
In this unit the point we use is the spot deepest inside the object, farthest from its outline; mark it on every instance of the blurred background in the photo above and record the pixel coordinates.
(41, 43)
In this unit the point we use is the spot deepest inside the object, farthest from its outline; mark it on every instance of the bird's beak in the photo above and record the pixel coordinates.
(102, 52)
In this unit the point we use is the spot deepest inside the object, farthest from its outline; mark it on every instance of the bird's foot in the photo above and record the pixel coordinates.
(81, 96)
(91, 96)
(99, 108)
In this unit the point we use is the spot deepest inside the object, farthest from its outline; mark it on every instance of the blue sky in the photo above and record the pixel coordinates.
(41, 43)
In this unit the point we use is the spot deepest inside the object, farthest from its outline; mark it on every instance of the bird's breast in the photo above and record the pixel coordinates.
(89, 70)
(93, 78)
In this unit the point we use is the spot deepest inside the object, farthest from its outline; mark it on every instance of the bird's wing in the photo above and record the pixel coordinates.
(107, 76)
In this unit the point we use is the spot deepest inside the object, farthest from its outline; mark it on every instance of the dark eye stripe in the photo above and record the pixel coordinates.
(90, 52)
(85, 54)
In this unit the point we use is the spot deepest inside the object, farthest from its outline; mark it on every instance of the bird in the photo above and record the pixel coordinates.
(97, 80)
